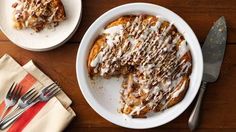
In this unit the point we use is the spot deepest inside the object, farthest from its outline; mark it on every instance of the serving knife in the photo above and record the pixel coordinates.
(213, 53)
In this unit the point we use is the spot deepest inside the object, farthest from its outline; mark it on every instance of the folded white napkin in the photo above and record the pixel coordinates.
(52, 116)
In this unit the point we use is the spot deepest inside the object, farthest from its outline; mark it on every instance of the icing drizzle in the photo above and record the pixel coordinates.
(26, 12)
(155, 53)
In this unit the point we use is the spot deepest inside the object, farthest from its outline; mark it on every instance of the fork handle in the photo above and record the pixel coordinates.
(5, 123)
(9, 120)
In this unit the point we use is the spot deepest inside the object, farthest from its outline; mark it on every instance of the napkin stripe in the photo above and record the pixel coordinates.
(2, 106)
(27, 82)
(26, 117)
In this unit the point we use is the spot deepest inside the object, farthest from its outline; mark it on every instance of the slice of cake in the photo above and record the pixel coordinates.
(38, 14)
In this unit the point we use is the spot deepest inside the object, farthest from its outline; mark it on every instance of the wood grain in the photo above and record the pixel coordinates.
(3, 37)
(199, 14)
(218, 109)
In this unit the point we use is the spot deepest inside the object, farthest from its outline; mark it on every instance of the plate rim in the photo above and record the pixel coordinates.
(90, 99)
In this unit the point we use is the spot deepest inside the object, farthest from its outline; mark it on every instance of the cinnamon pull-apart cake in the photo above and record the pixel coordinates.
(151, 55)
(37, 14)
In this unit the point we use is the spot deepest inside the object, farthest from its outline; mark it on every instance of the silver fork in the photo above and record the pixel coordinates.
(11, 98)
(26, 99)
(46, 94)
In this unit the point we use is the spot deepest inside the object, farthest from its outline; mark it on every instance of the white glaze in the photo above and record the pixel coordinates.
(178, 91)
(155, 54)
(183, 48)
(30, 9)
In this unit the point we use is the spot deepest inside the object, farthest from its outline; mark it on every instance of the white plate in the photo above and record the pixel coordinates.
(47, 39)
(103, 95)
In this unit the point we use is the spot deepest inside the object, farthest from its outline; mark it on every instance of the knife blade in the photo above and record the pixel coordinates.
(213, 51)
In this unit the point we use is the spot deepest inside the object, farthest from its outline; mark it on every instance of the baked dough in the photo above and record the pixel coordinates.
(151, 55)
(37, 14)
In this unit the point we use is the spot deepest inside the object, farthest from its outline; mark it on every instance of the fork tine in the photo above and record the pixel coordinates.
(50, 89)
(15, 90)
(29, 93)
(53, 91)
(9, 93)
(17, 95)
(47, 87)
(32, 97)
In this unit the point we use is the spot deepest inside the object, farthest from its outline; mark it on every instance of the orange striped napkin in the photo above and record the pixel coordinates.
(51, 116)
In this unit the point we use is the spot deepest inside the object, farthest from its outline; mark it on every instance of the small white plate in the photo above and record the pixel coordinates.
(47, 39)
(103, 95)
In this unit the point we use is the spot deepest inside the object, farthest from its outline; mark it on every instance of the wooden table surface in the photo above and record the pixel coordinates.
(218, 112)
